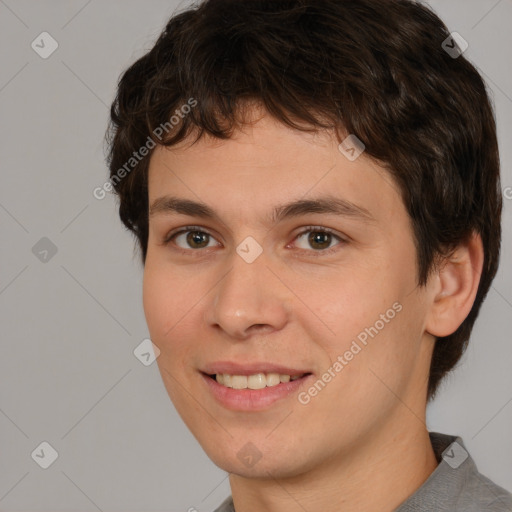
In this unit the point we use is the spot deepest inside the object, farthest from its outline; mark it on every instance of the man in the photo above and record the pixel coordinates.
(314, 187)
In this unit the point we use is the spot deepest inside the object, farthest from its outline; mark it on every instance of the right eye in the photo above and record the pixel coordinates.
(189, 239)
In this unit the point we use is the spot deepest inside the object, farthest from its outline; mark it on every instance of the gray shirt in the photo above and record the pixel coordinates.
(454, 486)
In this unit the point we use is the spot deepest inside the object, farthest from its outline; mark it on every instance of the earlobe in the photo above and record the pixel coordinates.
(456, 285)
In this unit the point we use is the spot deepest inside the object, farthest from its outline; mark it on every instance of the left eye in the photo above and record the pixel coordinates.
(318, 239)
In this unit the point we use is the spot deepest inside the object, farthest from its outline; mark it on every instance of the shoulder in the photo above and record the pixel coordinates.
(226, 506)
(476, 492)
(456, 485)
(482, 494)
(473, 491)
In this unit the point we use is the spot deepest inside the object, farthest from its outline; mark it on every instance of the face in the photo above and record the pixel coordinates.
(321, 293)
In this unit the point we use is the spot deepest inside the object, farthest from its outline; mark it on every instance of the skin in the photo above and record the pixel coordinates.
(365, 431)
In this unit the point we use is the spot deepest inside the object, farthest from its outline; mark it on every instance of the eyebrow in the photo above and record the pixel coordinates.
(319, 205)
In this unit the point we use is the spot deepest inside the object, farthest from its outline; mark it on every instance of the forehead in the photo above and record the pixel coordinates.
(264, 167)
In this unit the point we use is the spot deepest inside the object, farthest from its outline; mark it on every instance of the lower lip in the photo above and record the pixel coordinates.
(253, 399)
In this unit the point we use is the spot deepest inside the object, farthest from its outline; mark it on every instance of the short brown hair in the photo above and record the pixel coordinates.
(373, 68)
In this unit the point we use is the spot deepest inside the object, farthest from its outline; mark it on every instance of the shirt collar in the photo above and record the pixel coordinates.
(442, 488)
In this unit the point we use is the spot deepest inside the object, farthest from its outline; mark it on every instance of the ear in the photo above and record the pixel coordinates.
(455, 284)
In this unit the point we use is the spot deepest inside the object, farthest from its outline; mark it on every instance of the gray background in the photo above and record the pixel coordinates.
(70, 324)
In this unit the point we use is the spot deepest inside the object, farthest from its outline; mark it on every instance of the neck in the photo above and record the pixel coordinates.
(377, 473)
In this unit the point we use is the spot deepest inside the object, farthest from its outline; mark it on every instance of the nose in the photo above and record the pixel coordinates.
(249, 300)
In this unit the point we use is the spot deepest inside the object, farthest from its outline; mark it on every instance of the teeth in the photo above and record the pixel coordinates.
(273, 379)
(239, 381)
(256, 381)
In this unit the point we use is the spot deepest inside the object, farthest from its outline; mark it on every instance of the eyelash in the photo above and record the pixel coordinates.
(315, 229)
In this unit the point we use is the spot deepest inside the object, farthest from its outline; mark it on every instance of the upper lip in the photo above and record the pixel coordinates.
(233, 368)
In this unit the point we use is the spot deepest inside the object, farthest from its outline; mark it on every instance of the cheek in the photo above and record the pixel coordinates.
(381, 357)
(348, 303)
(374, 324)
(173, 302)
(156, 302)
(164, 300)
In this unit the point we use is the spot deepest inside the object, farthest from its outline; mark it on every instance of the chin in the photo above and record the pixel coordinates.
(247, 462)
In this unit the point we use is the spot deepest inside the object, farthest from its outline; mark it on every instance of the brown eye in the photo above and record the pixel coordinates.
(317, 239)
(197, 239)
(191, 239)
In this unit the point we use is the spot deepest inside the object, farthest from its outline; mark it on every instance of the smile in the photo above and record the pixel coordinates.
(254, 392)
(255, 381)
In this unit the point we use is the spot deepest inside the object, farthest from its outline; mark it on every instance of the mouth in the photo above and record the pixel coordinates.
(255, 391)
(254, 381)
